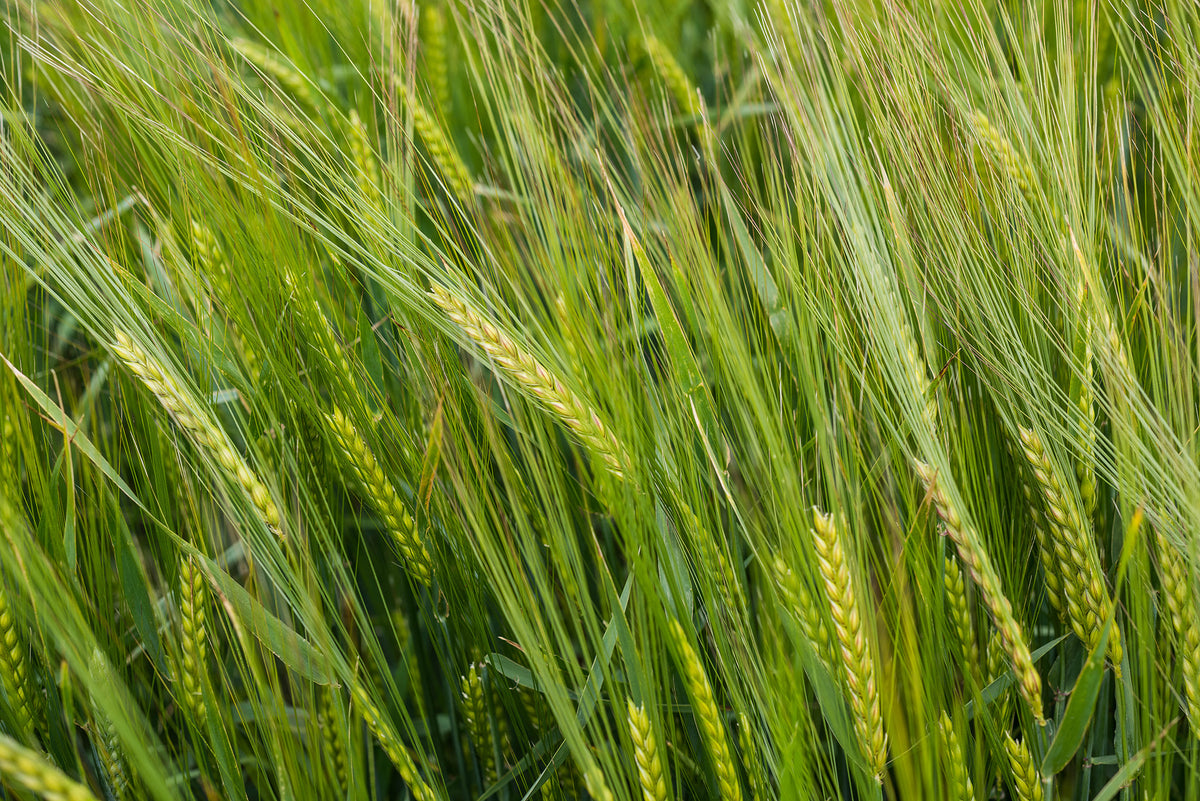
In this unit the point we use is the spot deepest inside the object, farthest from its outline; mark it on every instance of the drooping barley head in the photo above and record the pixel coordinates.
(857, 662)
(1084, 587)
(708, 715)
(979, 567)
(1026, 780)
(646, 754)
(958, 781)
(530, 375)
(199, 425)
(33, 771)
(383, 496)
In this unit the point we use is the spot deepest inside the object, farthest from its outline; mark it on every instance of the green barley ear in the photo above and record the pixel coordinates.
(1026, 781)
(997, 661)
(478, 729)
(362, 154)
(957, 779)
(108, 746)
(530, 375)
(732, 596)
(708, 715)
(210, 262)
(1085, 405)
(335, 746)
(34, 772)
(395, 750)
(751, 759)
(677, 82)
(1003, 155)
(1051, 568)
(979, 568)
(597, 785)
(1113, 344)
(273, 66)
(434, 45)
(416, 687)
(1178, 589)
(646, 754)
(197, 423)
(440, 148)
(193, 614)
(1084, 588)
(960, 613)
(13, 670)
(916, 368)
(382, 495)
(799, 601)
(859, 667)
(210, 259)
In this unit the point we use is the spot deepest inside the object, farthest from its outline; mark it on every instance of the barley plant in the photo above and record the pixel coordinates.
(623, 401)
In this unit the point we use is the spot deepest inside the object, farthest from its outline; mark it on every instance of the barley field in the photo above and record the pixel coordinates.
(624, 400)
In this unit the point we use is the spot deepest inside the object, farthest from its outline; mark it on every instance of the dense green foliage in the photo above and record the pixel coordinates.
(465, 399)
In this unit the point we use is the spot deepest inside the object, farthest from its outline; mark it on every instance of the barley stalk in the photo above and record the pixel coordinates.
(475, 717)
(395, 750)
(34, 772)
(271, 64)
(323, 339)
(960, 613)
(859, 668)
(1027, 782)
(196, 422)
(529, 374)
(979, 568)
(1084, 588)
(383, 496)
(708, 716)
(957, 779)
(440, 148)
(13, 670)
(1178, 588)
(646, 754)
(193, 598)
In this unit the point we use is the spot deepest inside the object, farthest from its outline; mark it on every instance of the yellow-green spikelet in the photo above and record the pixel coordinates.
(383, 496)
(33, 771)
(852, 636)
(646, 754)
(13, 669)
(707, 714)
(193, 614)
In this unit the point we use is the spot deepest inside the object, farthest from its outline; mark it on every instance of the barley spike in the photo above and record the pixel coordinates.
(859, 668)
(984, 576)
(34, 772)
(529, 374)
